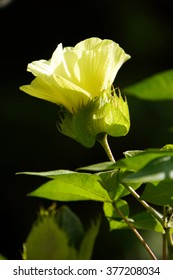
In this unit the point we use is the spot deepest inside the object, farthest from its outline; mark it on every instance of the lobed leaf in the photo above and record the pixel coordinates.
(107, 165)
(47, 241)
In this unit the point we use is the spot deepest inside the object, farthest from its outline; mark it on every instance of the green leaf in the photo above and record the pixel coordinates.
(71, 224)
(73, 187)
(48, 174)
(160, 193)
(168, 147)
(156, 87)
(147, 222)
(107, 165)
(115, 221)
(111, 181)
(117, 224)
(59, 234)
(140, 221)
(156, 170)
(110, 212)
(87, 244)
(132, 153)
(138, 161)
(47, 241)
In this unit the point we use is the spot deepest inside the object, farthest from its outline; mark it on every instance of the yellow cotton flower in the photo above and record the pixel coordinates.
(76, 75)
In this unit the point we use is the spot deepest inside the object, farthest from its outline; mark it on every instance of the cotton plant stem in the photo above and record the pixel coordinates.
(145, 204)
(164, 237)
(140, 238)
(169, 243)
(102, 139)
(167, 237)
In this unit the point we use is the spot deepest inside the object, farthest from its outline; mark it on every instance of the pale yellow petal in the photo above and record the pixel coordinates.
(88, 44)
(74, 96)
(57, 57)
(41, 88)
(39, 67)
(99, 67)
(57, 90)
(73, 76)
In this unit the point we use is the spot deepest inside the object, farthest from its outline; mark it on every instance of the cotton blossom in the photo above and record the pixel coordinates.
(80, 80)
(75, 75)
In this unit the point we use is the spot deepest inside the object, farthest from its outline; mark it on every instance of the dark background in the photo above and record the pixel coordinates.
(30, 30)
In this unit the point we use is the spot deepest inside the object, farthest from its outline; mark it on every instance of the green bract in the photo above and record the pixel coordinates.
(107, 113)
(80, 79)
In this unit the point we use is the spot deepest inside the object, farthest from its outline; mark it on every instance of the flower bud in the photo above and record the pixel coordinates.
(107, 113)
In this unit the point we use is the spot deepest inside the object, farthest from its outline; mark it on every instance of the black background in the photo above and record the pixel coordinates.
(30, 30)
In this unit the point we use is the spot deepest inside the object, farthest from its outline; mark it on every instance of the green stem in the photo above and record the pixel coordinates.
(167, 237)
(169, 243)
(152, 211)
(164, 243)
(140, 238)
(102, 139)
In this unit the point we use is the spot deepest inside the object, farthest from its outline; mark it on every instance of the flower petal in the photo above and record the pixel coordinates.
(97, 68)
(41, 88)
(57, 90)
(74, 95)
(39, 67)
(73, 76)
(88, 44)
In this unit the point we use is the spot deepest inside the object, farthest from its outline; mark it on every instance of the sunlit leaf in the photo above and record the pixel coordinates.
(117, 224)
(156, 170)
(138, 161)
(60, 235)
(111, 181)
(73, 187)
(156, 87)
(49, 174)
(168, 147)
(107, 165)
(47, 241)
(110, 211)
(132, 153)
(114, 219)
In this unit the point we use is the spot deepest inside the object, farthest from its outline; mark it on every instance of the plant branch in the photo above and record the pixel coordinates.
(152, 211)
(164, 237)
(167, 237)
(102, 139)
(169, 243)
(140, 238)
